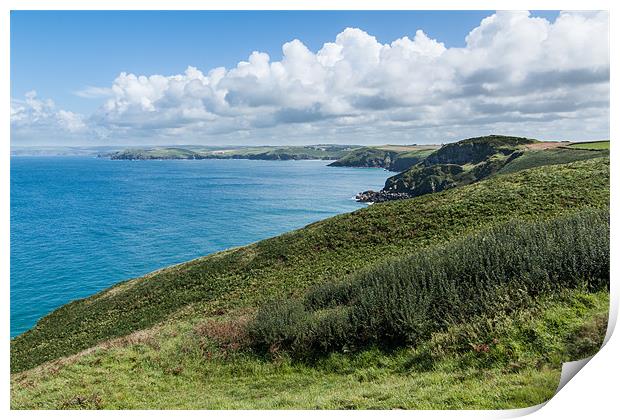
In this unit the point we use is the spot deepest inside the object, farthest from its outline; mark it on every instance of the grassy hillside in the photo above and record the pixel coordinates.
(591, 145)
(555, 156)
(452, 165)
(324, 251)
(190, 365)
(367, 157)
(476, 150)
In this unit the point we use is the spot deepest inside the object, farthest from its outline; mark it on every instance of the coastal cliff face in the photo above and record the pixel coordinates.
(452, 165)
(367, 157)
(472, 160)
(476, 150)
(392, 158)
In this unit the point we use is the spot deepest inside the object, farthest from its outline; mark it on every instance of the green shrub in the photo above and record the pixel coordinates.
(268, 332)
(328, 295)
(403, 301)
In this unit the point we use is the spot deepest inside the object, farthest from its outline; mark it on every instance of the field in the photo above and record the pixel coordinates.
(408, 148)
(553, 156)
(594, 145)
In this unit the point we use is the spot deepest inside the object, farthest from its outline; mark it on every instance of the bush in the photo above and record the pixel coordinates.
(277, 324)
(403, 301)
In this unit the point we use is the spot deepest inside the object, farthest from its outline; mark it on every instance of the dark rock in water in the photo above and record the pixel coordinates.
(380, 196)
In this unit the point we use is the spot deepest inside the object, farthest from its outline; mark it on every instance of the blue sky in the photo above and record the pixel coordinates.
(59, 52)
(366, 77)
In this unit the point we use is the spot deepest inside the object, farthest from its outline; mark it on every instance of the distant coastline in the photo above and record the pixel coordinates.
(419, 169)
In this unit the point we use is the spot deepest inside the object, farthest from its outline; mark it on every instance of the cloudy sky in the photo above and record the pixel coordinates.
(120, 78)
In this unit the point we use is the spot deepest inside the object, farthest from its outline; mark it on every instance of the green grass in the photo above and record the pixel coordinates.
(324, 251)
(367, 157)
(555, 156)
(179, 366)
(592, 145)
(548, 331)
(420, 153)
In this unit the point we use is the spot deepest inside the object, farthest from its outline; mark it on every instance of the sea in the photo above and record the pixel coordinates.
(81, 224)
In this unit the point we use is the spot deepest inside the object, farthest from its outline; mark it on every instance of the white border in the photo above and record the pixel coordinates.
(592, 393)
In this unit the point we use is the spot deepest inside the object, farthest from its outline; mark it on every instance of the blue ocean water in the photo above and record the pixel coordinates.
(81, 224)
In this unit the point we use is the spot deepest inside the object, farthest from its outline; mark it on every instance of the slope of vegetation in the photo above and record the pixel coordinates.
(476, 150)
(555, 156)
(324, 251)
(591, 145)
(367, 157)
(454, 164)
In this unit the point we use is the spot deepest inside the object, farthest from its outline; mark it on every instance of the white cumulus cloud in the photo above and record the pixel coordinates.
(34, 114)
(516, 74)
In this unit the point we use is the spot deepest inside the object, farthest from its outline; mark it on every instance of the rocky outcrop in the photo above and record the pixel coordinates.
(477, 149)
(453, 165)
(380, 196)
(367, 157)
(376, 157)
